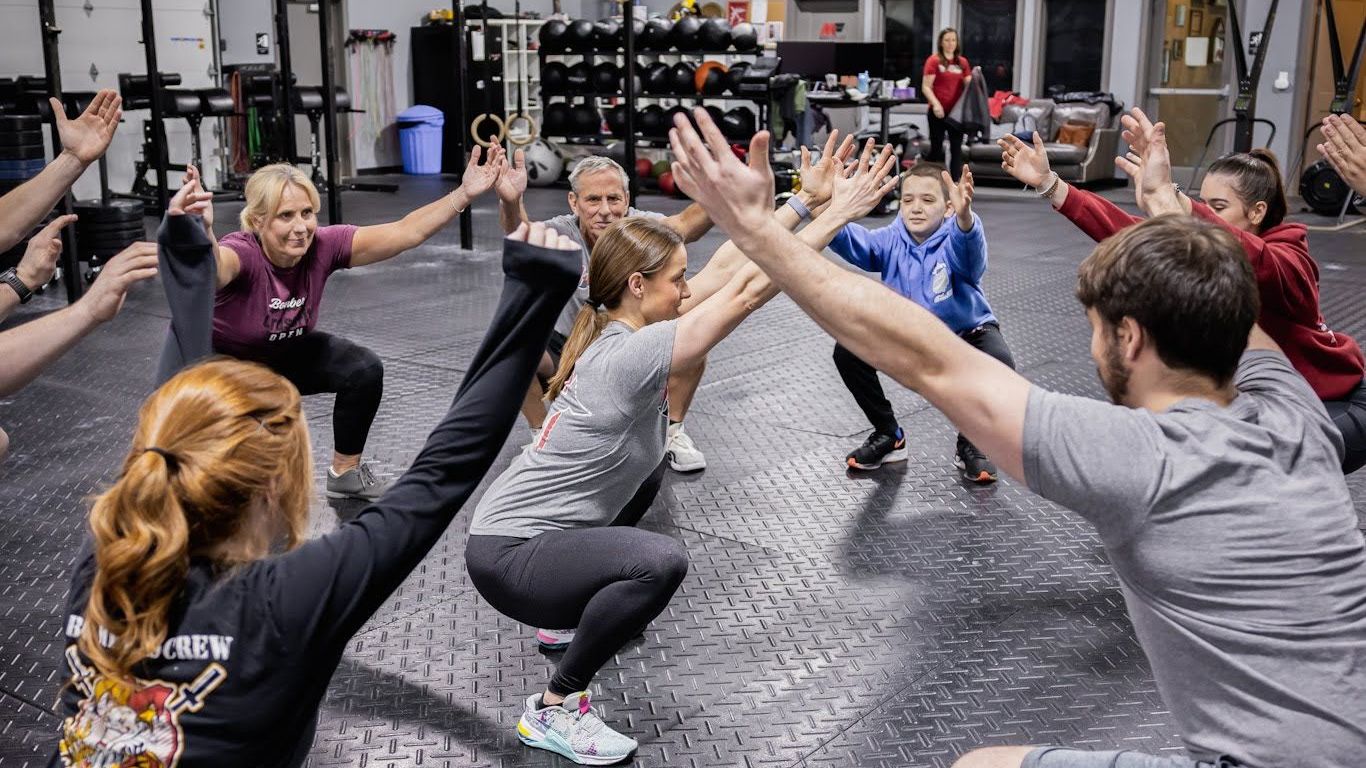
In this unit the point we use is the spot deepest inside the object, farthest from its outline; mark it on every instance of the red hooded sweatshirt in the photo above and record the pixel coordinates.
(1287, 279)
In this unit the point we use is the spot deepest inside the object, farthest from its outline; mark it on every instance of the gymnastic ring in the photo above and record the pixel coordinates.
(532, 130)
(474, 129)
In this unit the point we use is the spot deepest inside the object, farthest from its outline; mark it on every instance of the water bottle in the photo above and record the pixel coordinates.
(863, 82)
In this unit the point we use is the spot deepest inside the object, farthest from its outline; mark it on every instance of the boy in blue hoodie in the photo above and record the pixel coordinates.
(935, 256)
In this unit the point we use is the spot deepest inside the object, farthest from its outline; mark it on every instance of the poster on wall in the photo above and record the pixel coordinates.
(737, 12)
(772, 32)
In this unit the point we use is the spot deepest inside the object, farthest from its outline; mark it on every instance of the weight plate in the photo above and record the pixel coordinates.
(21, 139)
(117, 207)
(11, 123)
(135, 233)
(23, 152)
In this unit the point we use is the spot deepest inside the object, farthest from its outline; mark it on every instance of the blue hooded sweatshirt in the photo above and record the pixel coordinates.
(942, 274)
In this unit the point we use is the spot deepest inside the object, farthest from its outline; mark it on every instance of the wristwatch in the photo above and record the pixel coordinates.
(11, 278)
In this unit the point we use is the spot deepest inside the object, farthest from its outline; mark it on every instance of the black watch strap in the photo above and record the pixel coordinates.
(11, 278)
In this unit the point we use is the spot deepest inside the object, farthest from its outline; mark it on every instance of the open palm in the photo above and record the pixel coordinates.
(88, 136)
(480, 177)
(511, 183)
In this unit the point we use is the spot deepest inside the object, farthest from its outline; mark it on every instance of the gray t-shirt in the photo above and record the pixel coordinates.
(603, 437)
(568, 225)
(1236, 545)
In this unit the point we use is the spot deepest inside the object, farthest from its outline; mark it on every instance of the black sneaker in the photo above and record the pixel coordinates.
(877, 450)
(975, 465)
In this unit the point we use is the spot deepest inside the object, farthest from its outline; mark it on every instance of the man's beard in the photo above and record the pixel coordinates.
(1114, 375)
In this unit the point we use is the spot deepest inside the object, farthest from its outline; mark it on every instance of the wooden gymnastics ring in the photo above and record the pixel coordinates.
(478, 121)
(532, 130)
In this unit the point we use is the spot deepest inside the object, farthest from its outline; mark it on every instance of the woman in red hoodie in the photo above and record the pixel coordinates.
(1243, 193)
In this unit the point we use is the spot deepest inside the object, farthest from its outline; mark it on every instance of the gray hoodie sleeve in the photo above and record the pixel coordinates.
(188, 274)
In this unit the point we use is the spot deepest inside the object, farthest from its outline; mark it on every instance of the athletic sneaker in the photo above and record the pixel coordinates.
(683, 454)
(877, 450)
(574, 730)
(975, 465)
(554, 639)
(359, 483)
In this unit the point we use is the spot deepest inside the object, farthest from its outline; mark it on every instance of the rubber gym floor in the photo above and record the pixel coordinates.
(896, 618)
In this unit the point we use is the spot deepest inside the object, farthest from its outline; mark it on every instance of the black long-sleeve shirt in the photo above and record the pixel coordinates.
(250, 651)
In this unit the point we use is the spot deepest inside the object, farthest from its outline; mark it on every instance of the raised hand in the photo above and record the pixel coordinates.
(193, 199)
(1344, 147)
(737, 196)
(1028, 163)
(88, 136)
(1136, 126)
(1156, 194)
(541, 236)
(511, 184)
(818, 178)
(131, 266)
(960, 197)
(479, 178)
(860, 190)
(40, 258)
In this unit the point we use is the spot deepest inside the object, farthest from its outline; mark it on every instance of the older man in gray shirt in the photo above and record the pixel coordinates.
(1213, 478)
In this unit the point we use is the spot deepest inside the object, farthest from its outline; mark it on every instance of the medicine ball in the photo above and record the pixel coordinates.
(579, 79)
(616, 120)
(658, 79)
(661, 167)
(744, 37)
(739, 124)
(714, 35)
(1323, 190)
(715, 113)
(735, 75)
(710, 79)
(643, 167)
(543, 163)
(555, 119)
(635, 82)
(552, 36)
(657, 35)
(554, 78)
(607, 35)
(638, 27)
(685, 34)
(683, 76)
(606, 77)
(651, 121)
(585, 120)
(579, 37)
(667, 185)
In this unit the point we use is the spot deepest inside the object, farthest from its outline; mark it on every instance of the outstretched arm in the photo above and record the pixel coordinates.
(983, 397)
(33, 346)
(751, 287)
(185, 254)
(83, 141)
(511, 187)
(381, 242)
(818, 179)
(325, 590)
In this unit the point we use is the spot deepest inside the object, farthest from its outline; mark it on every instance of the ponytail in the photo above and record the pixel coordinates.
(1256, 177)
(588, 326)
(142, 557)
(220, 468)
(633, 244)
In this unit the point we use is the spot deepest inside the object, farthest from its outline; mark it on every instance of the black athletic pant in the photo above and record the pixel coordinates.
(320, 362)
(861, 378)
(609, 583)
(1349, 414)
(938, 129)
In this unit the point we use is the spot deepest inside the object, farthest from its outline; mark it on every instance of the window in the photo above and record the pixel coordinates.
(1074, 45)
(987, 31)
(910, 38)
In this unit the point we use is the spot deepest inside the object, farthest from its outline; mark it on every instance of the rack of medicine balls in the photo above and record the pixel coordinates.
(588, 83)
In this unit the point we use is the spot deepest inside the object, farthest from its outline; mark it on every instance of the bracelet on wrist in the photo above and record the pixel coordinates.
(798, 207)
(1050, 185)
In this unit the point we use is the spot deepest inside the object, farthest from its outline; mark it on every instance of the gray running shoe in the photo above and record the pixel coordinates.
(573, 729)
(358, 483)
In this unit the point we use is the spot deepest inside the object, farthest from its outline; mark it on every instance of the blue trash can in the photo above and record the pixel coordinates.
(419, 139)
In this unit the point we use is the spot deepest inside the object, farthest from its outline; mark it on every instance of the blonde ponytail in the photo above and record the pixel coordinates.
(631, 245)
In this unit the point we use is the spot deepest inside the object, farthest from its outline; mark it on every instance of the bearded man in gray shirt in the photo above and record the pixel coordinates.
(1213, 478)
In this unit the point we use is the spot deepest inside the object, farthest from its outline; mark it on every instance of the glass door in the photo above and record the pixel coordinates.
(1189, 76)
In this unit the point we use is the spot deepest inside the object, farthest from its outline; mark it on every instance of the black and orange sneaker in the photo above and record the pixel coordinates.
(877, 450)
(975, 465)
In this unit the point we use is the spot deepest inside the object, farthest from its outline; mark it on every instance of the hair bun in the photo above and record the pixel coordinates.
(1266, 156)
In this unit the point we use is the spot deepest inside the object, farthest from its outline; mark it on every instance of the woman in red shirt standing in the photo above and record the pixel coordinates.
(947, 74)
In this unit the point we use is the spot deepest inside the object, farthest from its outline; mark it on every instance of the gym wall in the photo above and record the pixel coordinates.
(96, 46)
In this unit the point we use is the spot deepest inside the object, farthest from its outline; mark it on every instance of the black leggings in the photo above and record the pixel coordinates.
(320, 362)
(862, 381)
(609, 583)
(938, 128)
(1349, 414)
